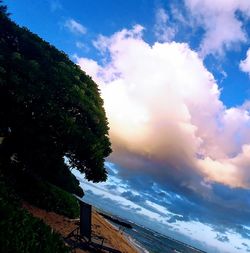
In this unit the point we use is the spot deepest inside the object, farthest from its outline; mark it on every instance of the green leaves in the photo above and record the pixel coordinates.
(52, 108)
(20, 232)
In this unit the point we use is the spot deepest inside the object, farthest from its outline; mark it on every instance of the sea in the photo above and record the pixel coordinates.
(149, 241)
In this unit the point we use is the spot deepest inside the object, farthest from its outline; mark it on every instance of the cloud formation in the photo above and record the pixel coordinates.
(222, 238)
(165, 113)
(218, 229)
(222, 22)
(162, 29)
(55, 5)
(75, 27)
(245, 64)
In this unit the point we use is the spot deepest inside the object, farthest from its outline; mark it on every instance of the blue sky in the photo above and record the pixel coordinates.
(175, 82)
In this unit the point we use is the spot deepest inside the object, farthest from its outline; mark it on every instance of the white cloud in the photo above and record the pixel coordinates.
(103, 42)
(207, 235)
(75, 27)
(82, 46)
(245, 64)
(223, 29)
(179, 17)
(165, 113)
(159, 209)
(162, 29)
(91, 67)
(55, 5)
(123, 202)
(157, 217)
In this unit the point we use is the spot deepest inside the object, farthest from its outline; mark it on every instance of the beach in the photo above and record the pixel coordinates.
(63, 225)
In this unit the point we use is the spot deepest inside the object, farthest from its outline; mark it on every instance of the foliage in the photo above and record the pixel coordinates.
(3, 9)
(49, 109)
(22, 233)
(47, 196)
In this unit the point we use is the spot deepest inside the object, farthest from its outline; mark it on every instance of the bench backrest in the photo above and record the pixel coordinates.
(85, 219)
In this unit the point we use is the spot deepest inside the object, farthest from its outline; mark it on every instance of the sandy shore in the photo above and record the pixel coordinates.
(101, 227)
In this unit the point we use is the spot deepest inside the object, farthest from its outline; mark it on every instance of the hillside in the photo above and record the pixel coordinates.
(52, 120)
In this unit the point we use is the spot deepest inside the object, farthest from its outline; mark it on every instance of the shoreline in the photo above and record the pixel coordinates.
(132, 241)
(101, 227)
(138, 247)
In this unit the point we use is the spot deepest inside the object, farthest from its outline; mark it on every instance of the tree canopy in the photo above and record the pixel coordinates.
(49, 109)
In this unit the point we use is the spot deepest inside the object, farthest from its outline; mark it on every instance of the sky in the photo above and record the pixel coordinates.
(175, 79)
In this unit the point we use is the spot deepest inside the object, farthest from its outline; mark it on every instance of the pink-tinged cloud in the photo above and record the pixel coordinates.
(245, 64)
(223, 29)
(162, 29)
(165, 113)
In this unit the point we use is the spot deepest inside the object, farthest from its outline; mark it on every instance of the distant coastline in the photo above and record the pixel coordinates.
(116, 220)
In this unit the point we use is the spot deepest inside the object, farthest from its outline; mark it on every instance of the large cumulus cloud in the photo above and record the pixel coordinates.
(165, 113)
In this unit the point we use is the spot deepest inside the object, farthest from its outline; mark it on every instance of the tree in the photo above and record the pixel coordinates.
(49, 110)
(3, 9)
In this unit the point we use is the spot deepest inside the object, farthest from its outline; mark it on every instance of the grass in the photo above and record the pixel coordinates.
(47, 196)
(22, 233)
